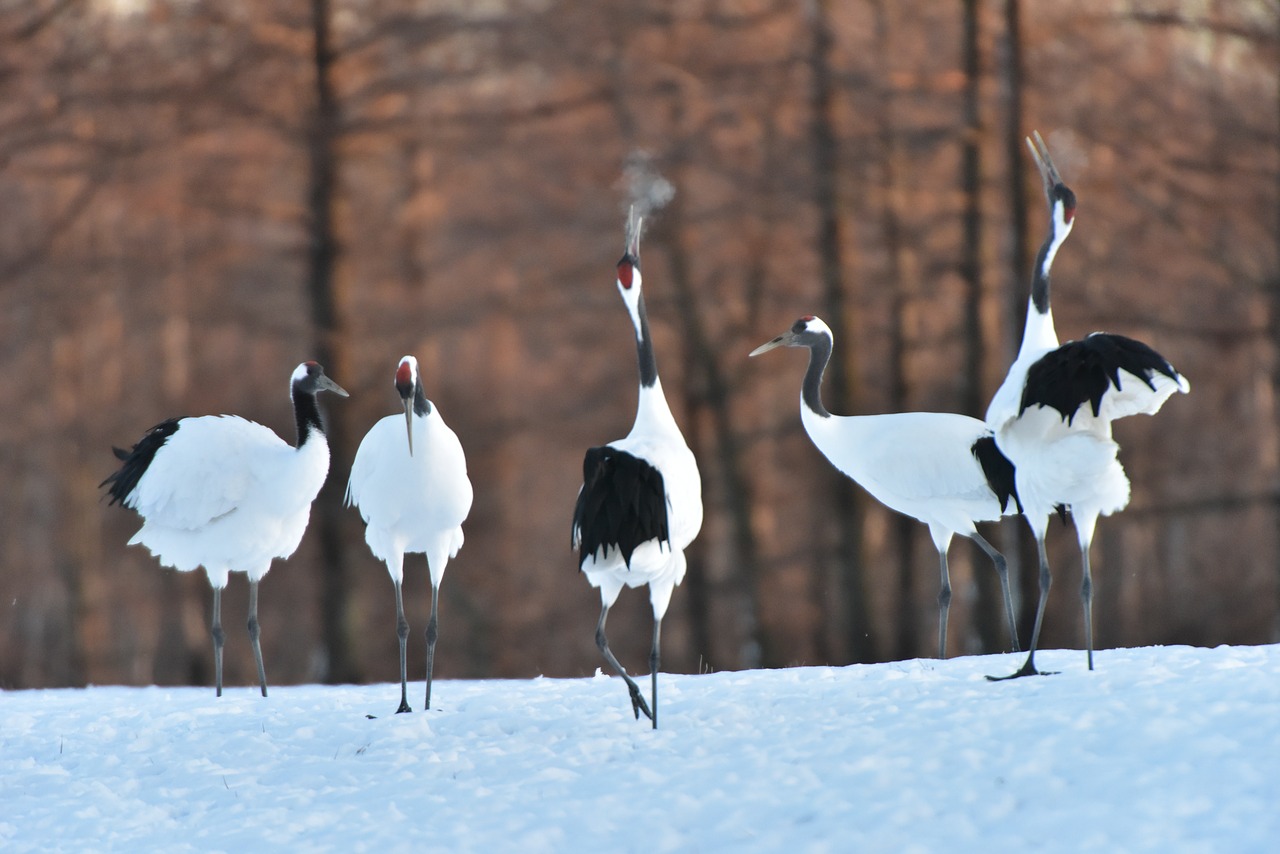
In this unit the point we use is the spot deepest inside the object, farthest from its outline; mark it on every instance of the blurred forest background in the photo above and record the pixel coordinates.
(195, 196)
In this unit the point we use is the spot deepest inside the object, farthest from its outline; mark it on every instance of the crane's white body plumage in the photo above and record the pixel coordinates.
(656, 439)
(227, 494)
(409, 482)
(917, 463)
(1069, 460)
(411, 504)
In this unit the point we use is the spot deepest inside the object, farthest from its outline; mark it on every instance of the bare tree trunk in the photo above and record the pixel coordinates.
(1018, 546)
(1275, 302)
(988, 610)
(906, 634)
(714, 394)
(322, 256)
(845, 502)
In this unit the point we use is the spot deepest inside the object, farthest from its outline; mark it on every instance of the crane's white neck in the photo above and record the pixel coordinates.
(1038, 334)
(653, 414)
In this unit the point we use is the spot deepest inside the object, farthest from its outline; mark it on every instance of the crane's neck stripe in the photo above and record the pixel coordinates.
(421, 406)
(645, 356)
(1040, 282)
(1059, 228)
(306, 414)
(811, 392)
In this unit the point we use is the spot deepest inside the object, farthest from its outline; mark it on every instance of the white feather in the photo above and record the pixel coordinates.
(412, 503)
(656, 439)
(229, 495)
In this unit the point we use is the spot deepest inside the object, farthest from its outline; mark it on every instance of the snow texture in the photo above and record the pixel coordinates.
(1163, 749)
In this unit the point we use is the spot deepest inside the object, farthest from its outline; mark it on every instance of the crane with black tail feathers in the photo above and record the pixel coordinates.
(1052, 415)
(941, 468)
(409, 481)
(640, 505)
(228, 495)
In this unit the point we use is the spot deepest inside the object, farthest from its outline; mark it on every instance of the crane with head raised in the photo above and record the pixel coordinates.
(1052, 415)
(640, 504)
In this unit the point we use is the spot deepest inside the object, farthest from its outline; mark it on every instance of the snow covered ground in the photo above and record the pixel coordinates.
(1160, 749)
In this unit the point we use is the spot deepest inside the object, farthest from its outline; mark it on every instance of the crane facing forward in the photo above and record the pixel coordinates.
(413, 494)
(941, 468)
(227, 494)
(640, 505)
(1052, 415)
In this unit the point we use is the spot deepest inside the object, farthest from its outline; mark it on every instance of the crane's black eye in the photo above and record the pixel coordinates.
(801, 325)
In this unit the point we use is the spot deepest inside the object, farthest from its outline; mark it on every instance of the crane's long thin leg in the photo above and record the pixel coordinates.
(638, 704)
(432, 633)
(219, 637)
(402, 632)
(1002, 569)
(944, 603)
(655, 658)
(1029, 667)
(1086, 600)
(254, 632)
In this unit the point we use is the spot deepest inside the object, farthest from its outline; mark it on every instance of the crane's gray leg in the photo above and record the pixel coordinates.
(254, 632)
(1002, 569)
(402, 632)
(432, 633)
(944, 603)
(638, 704)
(1029, 667)
(654, 659)
(1086, 599)
(219, 637)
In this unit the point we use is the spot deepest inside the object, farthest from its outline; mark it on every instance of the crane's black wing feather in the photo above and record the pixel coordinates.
(138, 460)
(1084, 371)
(998, 470)
(622, 504)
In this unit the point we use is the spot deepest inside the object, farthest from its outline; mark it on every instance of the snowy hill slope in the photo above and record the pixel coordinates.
(1160, 749)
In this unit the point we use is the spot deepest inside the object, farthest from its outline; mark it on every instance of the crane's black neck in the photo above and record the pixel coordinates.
(421, 406)
(306, 415)
(811, 391)
(1040, 277)
(644, 347)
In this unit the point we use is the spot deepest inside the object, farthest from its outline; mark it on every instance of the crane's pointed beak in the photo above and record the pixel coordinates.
(781, 341)
(635, 222)
(408, 421)
(323, 383)
(1040, 153)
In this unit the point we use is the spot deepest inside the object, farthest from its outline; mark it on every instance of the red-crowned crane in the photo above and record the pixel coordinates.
(1052, 415)
(941, 468)
(227, 494)
(640, 505)
(409, 481)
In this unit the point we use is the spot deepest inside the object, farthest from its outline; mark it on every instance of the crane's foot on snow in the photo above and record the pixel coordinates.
(638, 704)
(404, 707)
(1027, 669)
